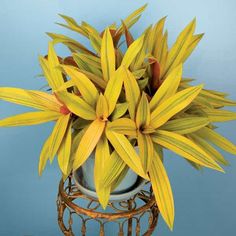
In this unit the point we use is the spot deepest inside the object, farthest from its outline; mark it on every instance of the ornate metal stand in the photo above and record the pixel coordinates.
(136, 216)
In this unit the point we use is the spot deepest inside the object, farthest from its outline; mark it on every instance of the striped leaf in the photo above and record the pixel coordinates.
(44, 157)
(217, 139)
(209, 149)
(77, 105)
(88, 142)
(162, 190)
(132, 52)
(143, 115)
(178, 51)
(126, 151)
(53, 62)
(30, 118)
(114, 167)
(145, 150)
(132, 91)
(21, 97)
(120, 110)
(216, 115)
(57, 135)
(168, 87)
(64, 152)
(185, 148)
(107, 55)
(185, 125)
(113, 90)
(123, 126)
(102, 156)
(85, 86)
(102, 108)
(173, 105)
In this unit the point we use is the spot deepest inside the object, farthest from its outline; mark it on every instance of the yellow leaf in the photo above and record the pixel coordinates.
(123, 126)
(132, 52)
(85, 86)
(209, 149)
(168, 87)
(185, 125)
(114, 167)
(107, 55)
(120, 110)
(163, 55)
(217, 139)
(102, 108)
(53, 62)
(30, 118)
(64, 152)
(102, 156)
(43, 157)
(185, 148)
(192, 45)
(162, 190)
(126, 151)
(129, 20)
(48, 101)
(145, 150)
(77, 105)
(178, 51)
(173, 105)
(216, 115)
(113, 90)
(88, 142)
(21, 97)
(143, 115)
(98, 81)
(132, 91)
(57, 135)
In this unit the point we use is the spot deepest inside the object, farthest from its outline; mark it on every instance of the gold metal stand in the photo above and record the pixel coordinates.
(136, 216)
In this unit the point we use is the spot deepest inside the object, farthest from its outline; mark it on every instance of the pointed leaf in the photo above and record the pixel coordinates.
(85, 86)
(145, 150)
(123, 126)
(178, 51)
(209, 149)
(107, 55)
(132, 52)
(132, 91)
(88, 142)
(168, 87)
(217, 139)
(21, 97)
(77, 105)
(120, 110)
(126, 151)
(143, 115)
(162, 190)
(44, 157)
(30, 118)
(64, 153)
(102, 108)
(57, 135)
(185, 148)
(216, 115)
(173, 105)
(102, 155)
(186, 125)
(113, 90)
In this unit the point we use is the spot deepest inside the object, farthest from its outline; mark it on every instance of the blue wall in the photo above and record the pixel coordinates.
(205, 202)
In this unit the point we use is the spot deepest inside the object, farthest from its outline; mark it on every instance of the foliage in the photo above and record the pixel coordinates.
(110, 101)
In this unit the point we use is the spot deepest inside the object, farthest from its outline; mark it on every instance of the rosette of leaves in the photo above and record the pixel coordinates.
(126, 106)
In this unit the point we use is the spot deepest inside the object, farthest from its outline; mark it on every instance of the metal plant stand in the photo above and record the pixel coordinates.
(136, 216)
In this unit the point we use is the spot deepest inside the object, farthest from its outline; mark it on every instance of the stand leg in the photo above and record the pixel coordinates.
(130, 221)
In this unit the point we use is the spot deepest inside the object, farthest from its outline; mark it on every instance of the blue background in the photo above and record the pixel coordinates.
(205, 202)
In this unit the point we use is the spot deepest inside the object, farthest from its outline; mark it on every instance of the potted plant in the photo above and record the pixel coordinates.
(116, 110)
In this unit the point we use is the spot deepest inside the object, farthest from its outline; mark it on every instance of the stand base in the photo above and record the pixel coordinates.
(135, 216)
